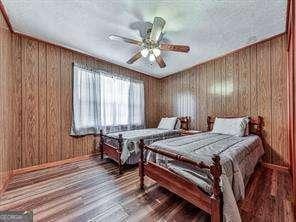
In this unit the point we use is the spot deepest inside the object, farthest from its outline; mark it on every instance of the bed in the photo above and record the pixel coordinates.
(210, 170)
(123, 147)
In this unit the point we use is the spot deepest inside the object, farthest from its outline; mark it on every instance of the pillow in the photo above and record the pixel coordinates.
(167, 123)
(170, 123)
(247, 130)
(178, 125)
(231, 126)
(161, 124)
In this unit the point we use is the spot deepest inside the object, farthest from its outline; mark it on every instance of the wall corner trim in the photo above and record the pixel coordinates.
(5, 184)
(5, 15)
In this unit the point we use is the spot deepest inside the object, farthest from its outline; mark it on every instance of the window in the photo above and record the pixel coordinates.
(105, 101)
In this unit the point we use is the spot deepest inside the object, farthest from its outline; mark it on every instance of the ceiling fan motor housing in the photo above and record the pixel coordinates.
(150, 44)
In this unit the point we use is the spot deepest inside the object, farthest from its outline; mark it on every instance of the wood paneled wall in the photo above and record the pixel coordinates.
(291, 61)
(5, 101)
(251, 81)
(42, 101)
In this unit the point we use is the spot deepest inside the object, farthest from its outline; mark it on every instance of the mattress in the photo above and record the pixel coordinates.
(131, 139)
(239, 156)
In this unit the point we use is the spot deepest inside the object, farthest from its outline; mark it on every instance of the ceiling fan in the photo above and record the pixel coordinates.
(151, 44)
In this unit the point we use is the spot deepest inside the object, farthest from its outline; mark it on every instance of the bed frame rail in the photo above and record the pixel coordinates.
(181, 186)
(114, 152)
(111, 151)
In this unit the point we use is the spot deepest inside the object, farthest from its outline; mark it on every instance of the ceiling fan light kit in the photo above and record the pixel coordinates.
(144, 52)
(156, 52)
(151, 45)
(151, 57)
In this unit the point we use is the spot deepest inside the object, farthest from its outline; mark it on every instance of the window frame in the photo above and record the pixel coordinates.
(113, 76)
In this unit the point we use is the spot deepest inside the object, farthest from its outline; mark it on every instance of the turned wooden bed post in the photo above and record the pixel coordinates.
(259, 129)
(101, 144)
(209, 123)
(120, 141)
(141, 164)
(217, 201)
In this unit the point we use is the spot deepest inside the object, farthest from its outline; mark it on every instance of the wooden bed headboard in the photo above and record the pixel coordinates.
(185, 122)
(255, 125)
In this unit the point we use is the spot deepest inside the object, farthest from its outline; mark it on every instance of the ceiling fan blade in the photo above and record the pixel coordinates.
(160, 61)
(134, 58)
(157, 28)
(176, 48)
(124, 39)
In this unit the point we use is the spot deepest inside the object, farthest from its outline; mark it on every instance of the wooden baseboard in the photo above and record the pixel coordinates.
(276, 167)
(5, 184)
(52, 164)
(40, 167)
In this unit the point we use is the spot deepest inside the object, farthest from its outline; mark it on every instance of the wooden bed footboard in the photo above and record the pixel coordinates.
(114, 152)
(111, 151)
(181, 186)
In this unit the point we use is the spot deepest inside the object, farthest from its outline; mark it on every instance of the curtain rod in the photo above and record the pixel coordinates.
(96, 70)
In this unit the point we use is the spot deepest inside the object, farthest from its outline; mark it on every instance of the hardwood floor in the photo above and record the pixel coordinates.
(91, 190)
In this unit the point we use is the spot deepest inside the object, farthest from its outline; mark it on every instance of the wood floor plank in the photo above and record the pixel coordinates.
(92, 190)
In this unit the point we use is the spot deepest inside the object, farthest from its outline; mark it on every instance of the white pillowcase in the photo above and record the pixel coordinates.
(167, 123)
(161, 124)
(178, 125)
(231, 126)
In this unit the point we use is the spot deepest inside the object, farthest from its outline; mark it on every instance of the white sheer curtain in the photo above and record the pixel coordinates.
(105, 101)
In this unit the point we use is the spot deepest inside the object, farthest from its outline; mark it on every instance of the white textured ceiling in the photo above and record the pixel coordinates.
(211, 28)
